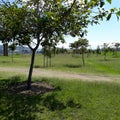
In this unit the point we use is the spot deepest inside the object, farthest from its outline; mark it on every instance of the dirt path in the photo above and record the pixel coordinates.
(58, 74)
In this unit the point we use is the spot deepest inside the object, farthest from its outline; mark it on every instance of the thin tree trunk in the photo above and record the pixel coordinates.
(50, 56)
(50, 61)
(83, 57)
(12, 56)
(32, 62)
(5, 49)
(105, 57)
(44, 60)
(31, 70)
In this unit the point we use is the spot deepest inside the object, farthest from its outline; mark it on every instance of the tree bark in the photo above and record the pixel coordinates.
(31, 70)
(47, 61)
(44, 60)
(50, 55)
(12, 56)
(5, 49)
(50, 63)
(83, 57)
(32, 62)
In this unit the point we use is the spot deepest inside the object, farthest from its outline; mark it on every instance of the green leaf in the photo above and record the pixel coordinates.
(109, 16)
(117, 17)
(109, 1)
(118, 13)
(101, 3)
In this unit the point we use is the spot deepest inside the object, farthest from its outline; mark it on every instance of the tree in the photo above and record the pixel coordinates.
(12, 48)
(10, 22)
(5, 49)
(5, 33)
(49, 19)
(117, 45)
(83, 44)
(48, 45)
(80, 46)
(89, 50)
(105, 50)
(75, 47)
(98, 51)
(34, 20)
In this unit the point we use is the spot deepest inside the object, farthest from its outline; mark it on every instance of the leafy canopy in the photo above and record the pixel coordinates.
(28, 20)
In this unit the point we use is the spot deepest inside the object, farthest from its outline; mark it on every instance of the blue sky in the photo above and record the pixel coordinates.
(105, 32)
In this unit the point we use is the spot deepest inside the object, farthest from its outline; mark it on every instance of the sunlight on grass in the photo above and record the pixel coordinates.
(67, 63)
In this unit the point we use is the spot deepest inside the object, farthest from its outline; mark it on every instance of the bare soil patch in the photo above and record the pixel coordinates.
(36, 88)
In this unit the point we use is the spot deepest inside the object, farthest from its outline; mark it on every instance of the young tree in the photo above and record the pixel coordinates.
(80, 45)
(48, 45)
(47, 19)
(34, 20)
(74, 46)
(12, 48)
(105, 50)
(117, 45)
(98, 51)
(83, 44)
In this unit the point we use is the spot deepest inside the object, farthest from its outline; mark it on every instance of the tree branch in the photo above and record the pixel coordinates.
(65, 14)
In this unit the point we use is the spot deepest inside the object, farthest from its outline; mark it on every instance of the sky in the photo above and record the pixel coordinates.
(105, 32)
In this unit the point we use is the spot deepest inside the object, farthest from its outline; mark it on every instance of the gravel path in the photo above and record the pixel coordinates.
(57, 74)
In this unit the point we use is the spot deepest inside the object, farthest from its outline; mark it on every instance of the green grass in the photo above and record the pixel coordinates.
(18, 61)
(71, 100)
(94, 65)
(67, 63)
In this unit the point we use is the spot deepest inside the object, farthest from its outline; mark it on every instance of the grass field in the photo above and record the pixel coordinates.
(71, 99)
(65, 62)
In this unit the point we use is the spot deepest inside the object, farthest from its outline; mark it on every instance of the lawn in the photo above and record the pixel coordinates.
(70, 100)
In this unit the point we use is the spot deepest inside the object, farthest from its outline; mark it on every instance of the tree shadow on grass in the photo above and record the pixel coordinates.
(73, 66)
(52, 103)
(6, 62)
(16, 106)
(25, 106)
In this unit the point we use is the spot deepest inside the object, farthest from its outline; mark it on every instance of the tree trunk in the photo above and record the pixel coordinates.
(44, 60)
(83, 57)
(50, 55)
(50, 63)
(5, 49)
(47, 61)
(31, 70)
(105, 57)
(12, 56)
